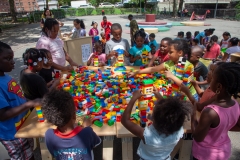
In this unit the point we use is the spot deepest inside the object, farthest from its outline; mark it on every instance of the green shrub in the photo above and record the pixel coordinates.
(89, 11)
(71, 11)
(81, 12)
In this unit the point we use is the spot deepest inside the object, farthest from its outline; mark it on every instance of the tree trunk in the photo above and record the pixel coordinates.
(12, 10)
(174, 8)
(47, 4)
(180, 6)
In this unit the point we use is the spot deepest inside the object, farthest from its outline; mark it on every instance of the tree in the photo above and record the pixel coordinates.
(64, 2)
(174, 8)
(47, 4)
(180, 6)
(12, 10)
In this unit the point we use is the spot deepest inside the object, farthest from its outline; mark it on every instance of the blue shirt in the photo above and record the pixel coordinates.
(76, 145)
(201, 34)
(154, 42)
(11, 96)
(158, 146)
(134, 51)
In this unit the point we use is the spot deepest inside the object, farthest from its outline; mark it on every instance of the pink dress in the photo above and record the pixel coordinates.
(93, 32)
(213, 53)
(101, 58)
(217, 145)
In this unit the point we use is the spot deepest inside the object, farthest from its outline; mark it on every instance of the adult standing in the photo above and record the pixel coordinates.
(106, 25)
(203, 35)
(48, 14)
(133, 28)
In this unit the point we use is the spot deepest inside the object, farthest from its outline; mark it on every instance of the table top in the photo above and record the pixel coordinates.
(33, 129)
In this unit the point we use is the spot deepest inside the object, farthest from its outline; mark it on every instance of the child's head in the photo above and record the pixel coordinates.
(153, 49)
(233, 42)
(188, 35)
(169, 115)
(165, 45)
(6, 58)
(152, 37)
(195, 42)
(78, 24)
(196, 33)
(47, 13)
(94, 24)
(226, 35)
(33, 59)
(226, 80)
(58, 108)
(116, 31)
(212, 67)
(47, 59)
(51, 28)
(104, 19)
(213, 40)
(98, 46)
(130, 17)
(139, 38)
(196, 54)
(179, 48)
(209, 32)
(103, 35)
(180, 34)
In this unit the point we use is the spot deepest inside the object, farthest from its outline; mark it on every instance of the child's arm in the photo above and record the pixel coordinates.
(225, 57)
(197, 88)
(148, 70)
(54, 85)
(133, 59)
(202, 83)
(169, 75)
(126, 122)
(90, 60)
(69, 59)
(62, 68)
(152, 61)
(7, 113)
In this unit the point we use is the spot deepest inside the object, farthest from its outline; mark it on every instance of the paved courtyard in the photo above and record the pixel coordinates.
(26, 36)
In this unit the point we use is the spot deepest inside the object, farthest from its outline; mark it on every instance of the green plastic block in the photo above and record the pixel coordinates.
(110, 122)
(147, 81)
(98, 123)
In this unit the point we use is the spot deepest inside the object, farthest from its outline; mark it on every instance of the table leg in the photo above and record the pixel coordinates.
(127, 148)
(108, 147)
(185, 150)
(176, 148)
(44, 151)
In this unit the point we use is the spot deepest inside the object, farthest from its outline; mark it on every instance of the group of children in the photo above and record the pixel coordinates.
(219, 112)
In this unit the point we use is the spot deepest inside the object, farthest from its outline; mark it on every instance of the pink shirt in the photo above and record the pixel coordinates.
(217, 145)
(213, 53)
(101, 58)
(55, 46)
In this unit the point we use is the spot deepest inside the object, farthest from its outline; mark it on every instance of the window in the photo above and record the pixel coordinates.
(29, 3)
(33, 3)
(21, 3)
(16, 4)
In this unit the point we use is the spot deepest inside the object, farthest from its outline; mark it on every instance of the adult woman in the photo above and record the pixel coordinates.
(48, 14)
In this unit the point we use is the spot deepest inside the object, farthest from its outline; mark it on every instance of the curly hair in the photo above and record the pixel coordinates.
(169, 115)
(140, 33)
(58, 107)
(181, 45)
(32, 54)
(229, 76)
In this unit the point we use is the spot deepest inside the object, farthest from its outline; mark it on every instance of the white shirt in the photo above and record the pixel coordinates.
(78, 33)
(230, 50)
(225, 43)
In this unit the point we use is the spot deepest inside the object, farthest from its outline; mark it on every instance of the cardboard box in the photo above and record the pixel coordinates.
(235, 57)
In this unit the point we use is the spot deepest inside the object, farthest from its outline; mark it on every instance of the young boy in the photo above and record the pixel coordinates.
(67, 141)
(13, 109)
(180, 35)
(106, 25)
(199, 68)
(152, 40)
(117, 40)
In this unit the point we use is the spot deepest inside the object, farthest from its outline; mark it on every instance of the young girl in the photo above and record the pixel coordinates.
(159, 139)
(50, 41)
(202, 35)
(47, 71)
(232, 48)
(161, 54)
(136, 51)
(94, 32)
(78, 30)
(213, 49)
(224, 41)
(210, 134)
(106, 25)
(98, 55)
(178, 48)
(103, 40)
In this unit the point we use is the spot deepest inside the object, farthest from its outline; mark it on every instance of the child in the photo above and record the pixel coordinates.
(153, 49)
(117, 41)
(159, 139)
(152, 40)
(94, 32)
(161, 54)
(13, 109)
(47, 71)
(199, 68)
(213, 49)
(195, 34)
(136, 51)
(232, 48)
(146, 41)
(195, 42)
(103, 40)
(224, 41)
(178, 48)
(78, 30)
(67, 141)
(180, 35)
(202, 35)
(133, 28)
(188, 38)
(98, 52)
(210, 134)
(50, 41)
(106, 25)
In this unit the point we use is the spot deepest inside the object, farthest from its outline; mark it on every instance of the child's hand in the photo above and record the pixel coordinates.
(113, 53)
(68, 68)
(56, 82)
(168, 74)
(131, 74)
(101, 64)
(126, 53)
(34, 103)
(87, 121)
(157, 94)
(137, 94)
(184, 89)
(194, 83)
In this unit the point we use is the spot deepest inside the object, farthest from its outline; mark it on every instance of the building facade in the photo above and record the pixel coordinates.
(20, 6)
(4, 6)
(53, 4)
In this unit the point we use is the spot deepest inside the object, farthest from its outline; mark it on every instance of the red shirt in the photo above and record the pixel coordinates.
(162, 57)
(106, 26)
(213, 53)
